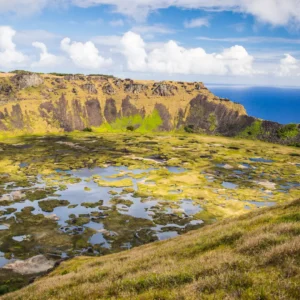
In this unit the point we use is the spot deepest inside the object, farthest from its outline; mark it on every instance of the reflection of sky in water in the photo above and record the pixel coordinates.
(229, 185)
(260, 159)
(76, 195)
(3, 260)
(166, 235)
(260, 204)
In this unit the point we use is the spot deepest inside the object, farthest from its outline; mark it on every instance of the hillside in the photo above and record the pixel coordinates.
(32, 103)
(254, 256)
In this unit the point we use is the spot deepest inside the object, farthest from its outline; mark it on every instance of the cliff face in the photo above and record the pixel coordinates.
(46, 103)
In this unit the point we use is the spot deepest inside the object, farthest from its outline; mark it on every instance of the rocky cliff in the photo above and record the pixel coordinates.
(35, 103)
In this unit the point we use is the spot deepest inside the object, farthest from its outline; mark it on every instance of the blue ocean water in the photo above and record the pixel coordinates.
(274, 104)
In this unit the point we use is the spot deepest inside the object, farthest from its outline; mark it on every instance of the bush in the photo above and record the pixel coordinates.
(130, 128)
(252, 131)
(288, 131)
(88, 129)
(189, 128)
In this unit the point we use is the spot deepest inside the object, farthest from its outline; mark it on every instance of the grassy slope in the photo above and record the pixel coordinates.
(254, 256)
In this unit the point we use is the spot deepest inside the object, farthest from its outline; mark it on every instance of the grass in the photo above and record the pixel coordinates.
(254, 256)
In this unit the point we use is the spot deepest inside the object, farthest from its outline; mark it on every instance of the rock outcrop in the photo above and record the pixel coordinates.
(6, 89)
(23, 81)
(135, 88)
(33, 265)
(108, 89)
(90, 88)
(164, 90)
(74, 77)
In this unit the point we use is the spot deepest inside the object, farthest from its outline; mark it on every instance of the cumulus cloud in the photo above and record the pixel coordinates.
(9, 55)
(172, 58)
(84, 55)
(46, 59)
(133, 48)
(289, 66)
(200, 22)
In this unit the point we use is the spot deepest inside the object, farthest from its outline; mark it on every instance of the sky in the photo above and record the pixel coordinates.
(240, 42)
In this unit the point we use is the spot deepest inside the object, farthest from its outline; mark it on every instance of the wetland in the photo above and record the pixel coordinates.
(92, 194)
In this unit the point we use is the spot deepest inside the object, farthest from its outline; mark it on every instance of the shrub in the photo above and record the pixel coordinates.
(189, 128)
(288, 131)
(252, 131)
(88, 129)
(130, 128)
(212, 122)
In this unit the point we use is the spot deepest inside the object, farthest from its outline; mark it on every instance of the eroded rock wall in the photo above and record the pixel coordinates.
(35, 103)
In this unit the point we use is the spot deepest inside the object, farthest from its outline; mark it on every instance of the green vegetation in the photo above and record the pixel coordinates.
(288, 131)
(103, 75)
(254, 256)
(130, 128)
(213, 122)
(143, 125)
(189, 128)
(22, 72)
(49, 205)
(252, 131)
(87, 129)
(157, 170)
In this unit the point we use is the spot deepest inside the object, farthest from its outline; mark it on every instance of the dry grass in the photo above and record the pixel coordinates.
(255, 256)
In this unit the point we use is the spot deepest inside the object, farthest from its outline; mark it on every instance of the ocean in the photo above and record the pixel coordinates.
(281, 105)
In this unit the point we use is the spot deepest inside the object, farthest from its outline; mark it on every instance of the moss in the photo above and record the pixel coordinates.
(92, 204)
(39, 194)
(78, 221)
(116, 183)
(49, 205)
(118, 200)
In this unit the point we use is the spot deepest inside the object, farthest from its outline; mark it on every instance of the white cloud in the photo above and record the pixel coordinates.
(84, 55)
(46, 59)
(9, 56)
(289, 66)
(22, 7)
(172, 58)
(251, 39)
(200, 22)
(133, 48)
(275, 12)
(116, 23)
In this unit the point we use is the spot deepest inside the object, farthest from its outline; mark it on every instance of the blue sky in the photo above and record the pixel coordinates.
(230, 41)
